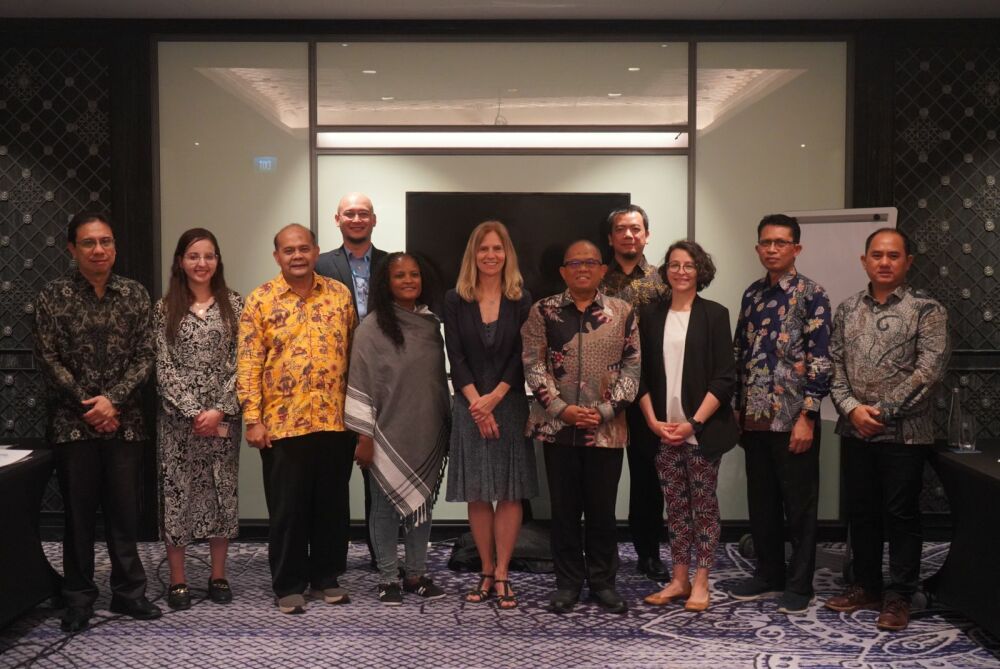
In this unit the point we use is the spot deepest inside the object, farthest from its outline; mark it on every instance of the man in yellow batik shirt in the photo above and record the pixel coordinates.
(294, 346)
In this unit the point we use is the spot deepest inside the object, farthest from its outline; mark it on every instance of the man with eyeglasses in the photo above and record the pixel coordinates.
(94, 346)
(581, 360)
(630, 277)
(783, 370)
(352, 264)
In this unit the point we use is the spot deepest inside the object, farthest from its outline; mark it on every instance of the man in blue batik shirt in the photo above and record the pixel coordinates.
(352, 265)
(783, 368)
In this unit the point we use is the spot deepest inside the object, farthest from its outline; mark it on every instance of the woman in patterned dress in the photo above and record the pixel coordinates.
(198, 426)
(491, 460)
(688, 379)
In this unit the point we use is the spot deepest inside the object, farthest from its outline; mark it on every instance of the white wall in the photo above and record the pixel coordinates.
(657, 183)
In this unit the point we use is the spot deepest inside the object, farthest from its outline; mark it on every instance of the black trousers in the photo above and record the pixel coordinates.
(306, 481)
(782, 485)
(583, 481)
(882, 485)
(105, 473)
(645, 499)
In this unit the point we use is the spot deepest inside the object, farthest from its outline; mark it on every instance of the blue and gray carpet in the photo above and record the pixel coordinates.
(251, 633)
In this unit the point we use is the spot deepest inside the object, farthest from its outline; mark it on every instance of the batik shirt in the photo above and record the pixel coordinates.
(88, 346)
(782, 352)
(589, 358)
(292, 358)
(889, 356)
(642, 286)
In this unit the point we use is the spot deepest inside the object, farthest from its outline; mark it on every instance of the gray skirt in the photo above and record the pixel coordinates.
(490, 470)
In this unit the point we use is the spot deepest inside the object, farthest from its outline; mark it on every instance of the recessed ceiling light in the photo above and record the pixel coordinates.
(345, 44)
(614, 95)
(633, 69)
(368, 71)
(197, 143)
(664, 46)
(802, 146)
(512, 90)
(387, 98)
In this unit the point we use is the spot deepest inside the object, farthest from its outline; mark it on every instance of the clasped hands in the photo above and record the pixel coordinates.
(481, 410)
(673, 434)
(102, 415)
(864, 418)
(582, 417)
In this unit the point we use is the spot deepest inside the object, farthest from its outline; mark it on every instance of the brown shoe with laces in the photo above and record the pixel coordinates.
(895, 614)
(853, 598)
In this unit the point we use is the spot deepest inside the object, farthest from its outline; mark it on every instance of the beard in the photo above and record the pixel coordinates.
(629, 255)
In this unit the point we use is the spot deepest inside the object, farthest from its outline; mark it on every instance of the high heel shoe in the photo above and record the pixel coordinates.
(661, 599)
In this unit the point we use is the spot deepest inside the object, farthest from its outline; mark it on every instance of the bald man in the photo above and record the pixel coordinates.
(352, 264)
(581, 360)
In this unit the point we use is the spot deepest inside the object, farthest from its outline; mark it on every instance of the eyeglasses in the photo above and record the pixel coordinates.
(360, 215)
(91, 244)
(195, 258)
(686, 268)
(580, 264)
(779, 244)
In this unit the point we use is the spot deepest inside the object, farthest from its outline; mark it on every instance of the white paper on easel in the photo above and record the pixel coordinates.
(9, 456)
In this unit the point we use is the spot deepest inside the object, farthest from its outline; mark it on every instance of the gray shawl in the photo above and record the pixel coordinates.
(400, 398)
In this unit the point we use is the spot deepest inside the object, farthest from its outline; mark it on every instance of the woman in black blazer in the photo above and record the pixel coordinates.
(688, 379)
(490, 459)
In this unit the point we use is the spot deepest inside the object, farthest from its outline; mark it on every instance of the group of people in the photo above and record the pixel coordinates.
(338, 361)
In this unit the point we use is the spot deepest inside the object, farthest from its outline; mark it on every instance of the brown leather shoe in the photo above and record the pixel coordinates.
(662, 599)
(895, 614)
(853, 598)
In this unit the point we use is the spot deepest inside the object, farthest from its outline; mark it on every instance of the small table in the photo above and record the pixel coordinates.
(969, 579)
(26, 578)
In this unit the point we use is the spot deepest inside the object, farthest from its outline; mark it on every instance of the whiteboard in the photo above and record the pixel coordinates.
(833, 242)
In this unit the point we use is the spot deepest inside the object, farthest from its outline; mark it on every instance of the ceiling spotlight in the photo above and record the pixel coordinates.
(368, 71)
(345, 44)
(614, 95)
(633, 69)
(802, 146)
(387, 98)
(197, 143)
(664, 46)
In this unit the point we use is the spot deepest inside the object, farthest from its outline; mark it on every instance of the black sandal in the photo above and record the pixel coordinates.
(507, 600)
(481, 592)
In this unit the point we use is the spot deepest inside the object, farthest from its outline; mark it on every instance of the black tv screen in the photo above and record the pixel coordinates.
(541, 225)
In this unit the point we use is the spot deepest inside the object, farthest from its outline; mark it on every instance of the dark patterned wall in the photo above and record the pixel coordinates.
(947, 165)
(55, 160)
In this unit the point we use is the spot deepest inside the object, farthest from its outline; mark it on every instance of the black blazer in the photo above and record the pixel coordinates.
(467, 350)
(334, 265)
(708, 367)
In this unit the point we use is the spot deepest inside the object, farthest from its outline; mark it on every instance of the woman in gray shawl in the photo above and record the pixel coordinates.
(398, 403)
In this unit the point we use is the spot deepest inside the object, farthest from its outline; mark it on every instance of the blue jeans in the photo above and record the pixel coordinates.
(385, 522)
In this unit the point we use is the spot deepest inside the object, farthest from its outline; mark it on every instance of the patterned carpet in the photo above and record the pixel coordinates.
(450, 633)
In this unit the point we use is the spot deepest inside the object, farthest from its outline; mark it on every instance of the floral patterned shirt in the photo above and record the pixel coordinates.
(889, 356)
(781, 350)
(293, 356)
(589, 359)
(88, 346)
(642, 286)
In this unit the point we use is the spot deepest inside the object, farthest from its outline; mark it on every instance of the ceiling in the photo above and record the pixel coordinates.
(503, 9)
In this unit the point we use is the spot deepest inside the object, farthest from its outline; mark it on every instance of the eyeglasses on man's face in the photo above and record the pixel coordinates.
(90, 244)
(779, 244)
(589, 263)
(682, 268)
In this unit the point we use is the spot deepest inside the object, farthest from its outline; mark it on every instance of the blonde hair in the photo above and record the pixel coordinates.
(511, 280)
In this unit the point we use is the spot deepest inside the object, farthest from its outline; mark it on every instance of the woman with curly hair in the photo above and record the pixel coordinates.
(398, 403)
(688, 379)
(198, 427)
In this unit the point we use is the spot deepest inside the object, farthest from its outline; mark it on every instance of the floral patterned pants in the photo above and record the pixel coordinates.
(688, 481)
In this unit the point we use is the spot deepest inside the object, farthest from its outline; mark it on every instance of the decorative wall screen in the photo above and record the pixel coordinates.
(55, 160)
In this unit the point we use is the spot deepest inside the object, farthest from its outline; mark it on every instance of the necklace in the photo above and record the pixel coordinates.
(200, 308)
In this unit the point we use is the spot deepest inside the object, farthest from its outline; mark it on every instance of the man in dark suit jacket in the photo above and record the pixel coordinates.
(352, 264)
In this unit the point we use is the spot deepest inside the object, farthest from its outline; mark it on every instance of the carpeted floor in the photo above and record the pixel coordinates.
(451, 633)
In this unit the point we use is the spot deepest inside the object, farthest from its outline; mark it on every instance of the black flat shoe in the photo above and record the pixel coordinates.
(139, 608)
(75, 620)
(609, 600)
(179, 597)
(219, 591)
(563, 601)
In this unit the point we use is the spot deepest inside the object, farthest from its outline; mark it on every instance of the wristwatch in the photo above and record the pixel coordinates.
(696, 424)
